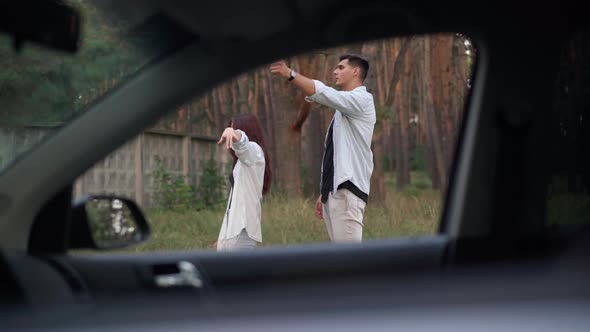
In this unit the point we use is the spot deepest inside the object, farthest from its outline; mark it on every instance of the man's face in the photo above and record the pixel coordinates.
(344, 73)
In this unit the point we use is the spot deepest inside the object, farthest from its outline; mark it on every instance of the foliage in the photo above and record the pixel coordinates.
(172, 192)
(568, 209)
(48, 87)
(418, 158)
(384, 113)
(209, 192)
(420, 183)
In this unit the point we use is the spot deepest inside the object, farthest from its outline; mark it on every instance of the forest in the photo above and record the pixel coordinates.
(419, 84)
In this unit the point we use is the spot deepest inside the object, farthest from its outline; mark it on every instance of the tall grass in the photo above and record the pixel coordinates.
(286, 221)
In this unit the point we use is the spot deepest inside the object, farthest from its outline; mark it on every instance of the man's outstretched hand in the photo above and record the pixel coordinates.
(280, 68)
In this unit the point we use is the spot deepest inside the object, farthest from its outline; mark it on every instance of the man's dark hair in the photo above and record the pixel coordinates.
(356, 60)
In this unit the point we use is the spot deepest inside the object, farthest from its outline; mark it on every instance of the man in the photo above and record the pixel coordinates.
(348, 160)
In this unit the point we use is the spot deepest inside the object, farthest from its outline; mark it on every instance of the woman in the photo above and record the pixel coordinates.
(250, 179)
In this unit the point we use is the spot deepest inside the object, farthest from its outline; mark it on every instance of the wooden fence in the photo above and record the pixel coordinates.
(128, 170)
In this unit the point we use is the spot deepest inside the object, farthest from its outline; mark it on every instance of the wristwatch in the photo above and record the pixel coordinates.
(292, 76)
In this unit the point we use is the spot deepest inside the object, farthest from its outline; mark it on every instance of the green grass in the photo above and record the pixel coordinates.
(568, 209)
(564, 207)
(413, 211)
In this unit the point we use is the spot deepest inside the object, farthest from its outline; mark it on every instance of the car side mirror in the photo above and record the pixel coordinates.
(53, 24)
(107, 222)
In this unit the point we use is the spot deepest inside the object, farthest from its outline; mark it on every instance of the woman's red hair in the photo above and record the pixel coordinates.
(250, 124)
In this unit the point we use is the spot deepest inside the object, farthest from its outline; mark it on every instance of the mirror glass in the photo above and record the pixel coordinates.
(112, 223)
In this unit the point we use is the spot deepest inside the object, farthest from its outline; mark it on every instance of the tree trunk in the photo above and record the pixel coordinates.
(388, 144)
(270, 133)
(459, 87)
(439, 166)
(242, 94)
(385, 58)
(287, 141)
(392, 103)
(305, 64)
(444, 55)
(313, 151)
(396, 145)
(312, 134)
(233, 87)
(377, 193)
(224, 106)
(255, 94)
(397, 73)
(384, 77)
(403, 174)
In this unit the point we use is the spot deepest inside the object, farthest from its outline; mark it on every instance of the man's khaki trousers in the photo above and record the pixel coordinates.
(343, 214)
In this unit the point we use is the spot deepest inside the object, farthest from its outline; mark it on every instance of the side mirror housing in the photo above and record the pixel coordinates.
(52, 24)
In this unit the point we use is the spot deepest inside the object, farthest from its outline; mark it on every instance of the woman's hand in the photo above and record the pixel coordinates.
(229, 136)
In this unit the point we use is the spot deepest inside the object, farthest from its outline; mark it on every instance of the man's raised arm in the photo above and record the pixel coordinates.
(306, 85)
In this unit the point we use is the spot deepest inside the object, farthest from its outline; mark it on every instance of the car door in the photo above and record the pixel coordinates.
(112, 274)
(269, 277)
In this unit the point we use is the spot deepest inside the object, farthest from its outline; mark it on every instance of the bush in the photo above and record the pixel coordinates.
(418, 158)
(211, 185)
(173, 193)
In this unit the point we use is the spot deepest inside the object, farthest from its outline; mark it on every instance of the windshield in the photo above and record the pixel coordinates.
(41, 90)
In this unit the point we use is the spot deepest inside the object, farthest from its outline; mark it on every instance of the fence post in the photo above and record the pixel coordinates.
(139, 170)
(186, 145)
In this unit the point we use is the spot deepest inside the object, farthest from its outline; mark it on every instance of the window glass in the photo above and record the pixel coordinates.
(42, 90)
(180, 176)
(568, 199)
